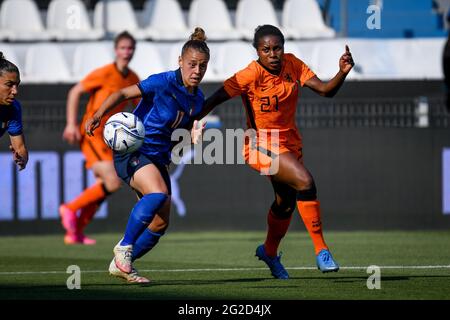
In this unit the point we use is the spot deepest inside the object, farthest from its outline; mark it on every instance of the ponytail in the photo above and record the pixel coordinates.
(197, 41)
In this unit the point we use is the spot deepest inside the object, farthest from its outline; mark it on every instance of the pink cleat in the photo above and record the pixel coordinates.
(85, 240)
(71, 239)
(68, 219)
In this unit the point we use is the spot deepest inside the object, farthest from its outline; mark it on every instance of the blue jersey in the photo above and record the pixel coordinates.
(166, 105)
(11, 119)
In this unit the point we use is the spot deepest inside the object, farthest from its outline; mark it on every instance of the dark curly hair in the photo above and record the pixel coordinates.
(266, 30)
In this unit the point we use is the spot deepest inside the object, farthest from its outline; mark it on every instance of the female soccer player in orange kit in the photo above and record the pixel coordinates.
(100, 83)
(269, 88)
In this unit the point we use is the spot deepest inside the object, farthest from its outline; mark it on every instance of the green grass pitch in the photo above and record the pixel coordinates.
(222, 266)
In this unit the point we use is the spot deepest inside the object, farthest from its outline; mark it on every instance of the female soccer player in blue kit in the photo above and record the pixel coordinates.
(11, 111)
(170, 100)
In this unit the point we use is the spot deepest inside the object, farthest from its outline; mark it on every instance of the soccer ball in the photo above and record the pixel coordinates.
(124, 132)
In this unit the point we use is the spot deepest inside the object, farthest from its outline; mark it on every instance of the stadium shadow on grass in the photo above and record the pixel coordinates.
(161, 289)
(359, 279)
(152, 283)
(221, 265)
(201, 282)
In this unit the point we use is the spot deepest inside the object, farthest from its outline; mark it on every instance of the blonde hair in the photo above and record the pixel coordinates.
(198, 34)
(197, 41)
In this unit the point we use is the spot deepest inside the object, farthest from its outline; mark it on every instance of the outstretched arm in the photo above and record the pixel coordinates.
(196, 126)
(214, 100)
(110, 103)
(19, 151)
(330, 88)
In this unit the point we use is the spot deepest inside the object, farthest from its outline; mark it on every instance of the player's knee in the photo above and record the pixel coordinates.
(284, 209)
(112, 184)
(151, 188)
(309, 194)
(303, 182)
(159, 225)
(160, 228)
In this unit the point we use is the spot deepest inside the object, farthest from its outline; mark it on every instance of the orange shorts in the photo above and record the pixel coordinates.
(261, 150)
(95, 149)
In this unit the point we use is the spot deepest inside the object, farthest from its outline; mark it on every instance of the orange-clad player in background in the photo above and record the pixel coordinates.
(269, 88)
(100, 83)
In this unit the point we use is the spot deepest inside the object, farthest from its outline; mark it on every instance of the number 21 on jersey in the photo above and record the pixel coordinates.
(266, 103)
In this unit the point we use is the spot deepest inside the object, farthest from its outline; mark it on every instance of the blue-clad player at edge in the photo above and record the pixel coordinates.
(170, 100)
(11, 111)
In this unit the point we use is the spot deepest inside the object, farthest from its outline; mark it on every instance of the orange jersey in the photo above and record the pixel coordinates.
(270, 100)
(101, 83)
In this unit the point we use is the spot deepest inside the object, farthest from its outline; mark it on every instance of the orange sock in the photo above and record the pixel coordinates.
(90, 195)
(276, 230)
(310, 213)
(86, 215)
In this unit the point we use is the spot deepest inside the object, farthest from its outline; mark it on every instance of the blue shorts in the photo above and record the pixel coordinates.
(128, 163)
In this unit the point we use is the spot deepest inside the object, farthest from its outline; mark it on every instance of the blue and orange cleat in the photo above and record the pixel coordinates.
(274, 264)
(325, 262)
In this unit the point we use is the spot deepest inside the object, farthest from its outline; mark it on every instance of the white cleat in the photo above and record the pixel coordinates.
(123, 256)
(132, 277)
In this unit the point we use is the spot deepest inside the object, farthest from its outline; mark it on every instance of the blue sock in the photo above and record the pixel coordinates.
(145, 243)
(141, 216)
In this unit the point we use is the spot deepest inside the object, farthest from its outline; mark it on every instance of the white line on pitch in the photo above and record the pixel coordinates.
(224, 269)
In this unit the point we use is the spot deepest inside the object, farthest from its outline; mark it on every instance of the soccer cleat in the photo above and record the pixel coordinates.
(325, 262)
(132, 277)
(85, 240)
(70, 239)
(68, 219)
(274, 264)
(123, 256)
